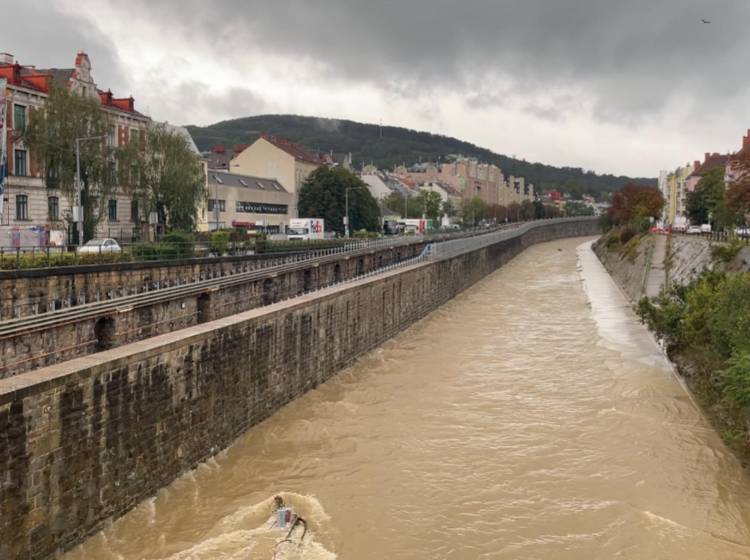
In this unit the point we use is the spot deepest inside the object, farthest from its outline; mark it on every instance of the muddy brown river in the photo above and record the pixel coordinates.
(532, 417)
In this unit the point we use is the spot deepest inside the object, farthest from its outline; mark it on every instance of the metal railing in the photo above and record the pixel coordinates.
(31, 257)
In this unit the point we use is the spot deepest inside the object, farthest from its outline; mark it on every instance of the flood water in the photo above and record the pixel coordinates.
(532, 417)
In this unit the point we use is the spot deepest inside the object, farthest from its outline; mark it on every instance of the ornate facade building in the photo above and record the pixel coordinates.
(28, 199)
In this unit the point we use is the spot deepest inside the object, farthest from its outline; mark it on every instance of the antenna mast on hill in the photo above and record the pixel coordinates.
(380, 128)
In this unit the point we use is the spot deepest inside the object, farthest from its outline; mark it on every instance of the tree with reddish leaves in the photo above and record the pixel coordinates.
(634, 201)
(738, 193)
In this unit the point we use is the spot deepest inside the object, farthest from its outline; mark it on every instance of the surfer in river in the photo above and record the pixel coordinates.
(285, 516)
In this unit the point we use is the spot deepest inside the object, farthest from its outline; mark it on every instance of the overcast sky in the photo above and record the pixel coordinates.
(620, 86)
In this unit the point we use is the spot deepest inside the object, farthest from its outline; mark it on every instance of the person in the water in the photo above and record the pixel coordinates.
(287, 517)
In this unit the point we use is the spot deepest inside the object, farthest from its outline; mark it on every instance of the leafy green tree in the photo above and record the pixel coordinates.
(707, 202)
(323, 195)
(167, 176)
(429, 203)
(449, 209)
(474, 211)
(50, 135)
(527, 210)
(538, 209)
(578, 208)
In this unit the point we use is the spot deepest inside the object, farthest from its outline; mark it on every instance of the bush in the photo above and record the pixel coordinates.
(734, 381)
(364, 234)
(219, 242)
(726, 252)
(182, 243)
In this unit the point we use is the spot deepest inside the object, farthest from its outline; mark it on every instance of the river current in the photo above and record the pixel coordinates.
(532, 417)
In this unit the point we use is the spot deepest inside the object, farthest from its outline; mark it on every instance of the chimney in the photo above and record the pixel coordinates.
(706, 156)
(746, 140)
(6, 58)
(696, 164)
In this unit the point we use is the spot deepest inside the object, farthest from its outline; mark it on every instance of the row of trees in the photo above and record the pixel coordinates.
(157, 169)
(323, 195)
(712, 202)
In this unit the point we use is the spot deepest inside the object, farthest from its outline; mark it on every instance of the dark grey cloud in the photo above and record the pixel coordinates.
(39, 34)
(208, 106)
(632, 56)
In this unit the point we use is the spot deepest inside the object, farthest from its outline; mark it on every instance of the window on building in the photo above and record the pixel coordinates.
(260, 185)
(134, 212)
(53, 208)
(112, 210)
(19, 167)
(112, 138)
(52, 172)
(22, 207)
(222, 205)
(19, 117)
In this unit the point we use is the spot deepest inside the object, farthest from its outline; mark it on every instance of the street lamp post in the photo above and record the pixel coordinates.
(77, 207)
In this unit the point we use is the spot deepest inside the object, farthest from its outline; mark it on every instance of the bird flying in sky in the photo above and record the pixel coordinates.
(705, 20)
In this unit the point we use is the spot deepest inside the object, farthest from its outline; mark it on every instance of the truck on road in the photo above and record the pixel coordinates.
(305, 229)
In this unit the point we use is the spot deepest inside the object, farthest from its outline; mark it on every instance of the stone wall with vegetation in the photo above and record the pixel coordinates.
(703, 318)
(85, 441)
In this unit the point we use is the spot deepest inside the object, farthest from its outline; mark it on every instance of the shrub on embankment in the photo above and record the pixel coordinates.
(705, 326)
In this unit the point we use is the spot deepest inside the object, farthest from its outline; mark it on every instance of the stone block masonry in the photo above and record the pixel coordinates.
(41, 342)
(85, 441)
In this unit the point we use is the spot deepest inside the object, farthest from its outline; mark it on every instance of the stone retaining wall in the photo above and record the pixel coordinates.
(27, 350)
(28, 292)
(87, 440)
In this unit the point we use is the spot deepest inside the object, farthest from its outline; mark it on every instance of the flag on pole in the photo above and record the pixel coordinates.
(3, 140)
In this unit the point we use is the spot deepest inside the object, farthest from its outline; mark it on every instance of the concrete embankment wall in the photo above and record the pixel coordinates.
(645, 264)
(85, 441)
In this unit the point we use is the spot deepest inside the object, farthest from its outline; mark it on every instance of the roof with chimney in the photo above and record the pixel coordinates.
(710, 161)
(41, 79)
(220, 156)
(299, 152)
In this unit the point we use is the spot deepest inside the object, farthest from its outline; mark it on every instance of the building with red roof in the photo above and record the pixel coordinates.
(287, 162)
(28, 200)
(710, 161)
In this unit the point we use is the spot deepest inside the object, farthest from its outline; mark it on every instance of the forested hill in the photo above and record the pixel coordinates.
(389, 146)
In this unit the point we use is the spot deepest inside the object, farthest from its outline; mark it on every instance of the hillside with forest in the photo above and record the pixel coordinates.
(389, 146)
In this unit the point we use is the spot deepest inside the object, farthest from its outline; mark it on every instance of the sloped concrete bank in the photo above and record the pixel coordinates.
(684, 259)
(85, 441)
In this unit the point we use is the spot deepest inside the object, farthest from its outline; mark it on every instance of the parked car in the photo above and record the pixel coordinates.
(103, 245)
(693, 230)
(705, 228)
(742, 231)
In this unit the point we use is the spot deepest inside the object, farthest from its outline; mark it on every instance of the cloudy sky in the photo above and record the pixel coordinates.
(620, 86)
